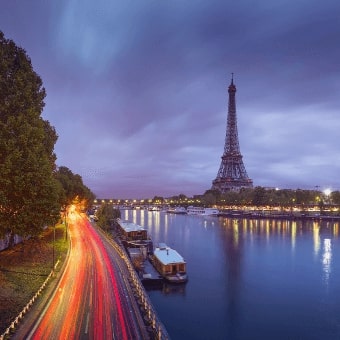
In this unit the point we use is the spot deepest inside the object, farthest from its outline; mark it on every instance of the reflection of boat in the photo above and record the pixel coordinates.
(169, 288)
(177, 210)
(202, 211)
(170, 264)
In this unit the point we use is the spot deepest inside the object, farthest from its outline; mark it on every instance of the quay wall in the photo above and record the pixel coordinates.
(275, 215)
(150, 315)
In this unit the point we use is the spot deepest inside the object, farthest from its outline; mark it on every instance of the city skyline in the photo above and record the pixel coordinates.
(138, 91)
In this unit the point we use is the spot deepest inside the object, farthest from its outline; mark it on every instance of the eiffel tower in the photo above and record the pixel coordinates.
(232, 175)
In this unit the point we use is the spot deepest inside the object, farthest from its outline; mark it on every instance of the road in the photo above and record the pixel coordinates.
(93, 299)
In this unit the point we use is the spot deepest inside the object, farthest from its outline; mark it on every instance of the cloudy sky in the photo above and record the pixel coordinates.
(137, 89)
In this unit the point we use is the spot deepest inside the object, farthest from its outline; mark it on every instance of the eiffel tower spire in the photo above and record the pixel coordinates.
(232, 175)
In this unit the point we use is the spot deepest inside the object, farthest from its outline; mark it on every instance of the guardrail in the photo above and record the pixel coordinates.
(151, 318)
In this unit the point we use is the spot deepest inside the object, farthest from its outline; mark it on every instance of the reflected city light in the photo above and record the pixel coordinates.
(142, 217)
(166, 221)
(134, 216)
(293, 235)
(326, 259)
(244, 225)
(316, 238)
(235, 232)
(336, 229)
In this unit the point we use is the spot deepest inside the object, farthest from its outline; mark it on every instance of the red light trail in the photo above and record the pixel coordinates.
(90, 301)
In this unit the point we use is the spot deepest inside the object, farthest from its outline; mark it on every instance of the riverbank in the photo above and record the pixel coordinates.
(25, 267)
(278, 216)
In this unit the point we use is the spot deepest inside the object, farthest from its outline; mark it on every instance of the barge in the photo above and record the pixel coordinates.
(170, 264)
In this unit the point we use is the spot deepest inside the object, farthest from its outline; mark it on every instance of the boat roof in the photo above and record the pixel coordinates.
(129, 226)
(167, 255)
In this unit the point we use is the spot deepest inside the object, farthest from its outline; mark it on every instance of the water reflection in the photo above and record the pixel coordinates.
(248, 277)
(293, 235)
(169, 288)
(326, 259)
(142, 219)
(233, 244)
(316, 238)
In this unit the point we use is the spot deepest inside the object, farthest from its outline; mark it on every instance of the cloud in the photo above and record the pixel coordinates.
(138, 90)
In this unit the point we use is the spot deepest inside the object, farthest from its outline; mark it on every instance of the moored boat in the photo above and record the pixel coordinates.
(177, 210)
(191, 210)
(154, 208)
(170, 264)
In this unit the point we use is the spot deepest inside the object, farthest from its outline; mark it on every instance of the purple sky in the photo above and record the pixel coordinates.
(137, 90)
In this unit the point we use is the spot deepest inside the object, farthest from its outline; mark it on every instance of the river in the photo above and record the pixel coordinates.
(248, 279)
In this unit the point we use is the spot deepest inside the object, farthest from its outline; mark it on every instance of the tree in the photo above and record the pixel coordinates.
(231, 197)
(210, 197)
(158, 200)
(28, 190)
(106, 215)
(259, 197)
(335, 197)
(74, 190)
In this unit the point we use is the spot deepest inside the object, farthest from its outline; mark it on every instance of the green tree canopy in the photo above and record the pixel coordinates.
(335, 197)
(74, 190)
(106, 215)
(28, 190)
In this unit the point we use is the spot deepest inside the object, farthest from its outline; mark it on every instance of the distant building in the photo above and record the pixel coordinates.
(232, 175)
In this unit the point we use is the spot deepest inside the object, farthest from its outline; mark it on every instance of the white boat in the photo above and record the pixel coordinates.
(191, 210)
(154, 208)
(177, 210)
(170, 264)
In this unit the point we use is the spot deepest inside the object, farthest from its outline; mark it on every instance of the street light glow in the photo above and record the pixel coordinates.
(327, 191)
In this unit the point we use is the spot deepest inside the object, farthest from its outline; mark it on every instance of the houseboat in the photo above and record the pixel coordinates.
(170, 264)
(202, 211)
(131, 231)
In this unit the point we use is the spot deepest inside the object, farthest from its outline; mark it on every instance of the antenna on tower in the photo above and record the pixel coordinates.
(232, 78)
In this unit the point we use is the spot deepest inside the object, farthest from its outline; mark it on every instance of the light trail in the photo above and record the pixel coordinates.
(90, 301)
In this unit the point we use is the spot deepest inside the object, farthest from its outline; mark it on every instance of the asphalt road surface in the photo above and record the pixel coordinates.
(93, 299)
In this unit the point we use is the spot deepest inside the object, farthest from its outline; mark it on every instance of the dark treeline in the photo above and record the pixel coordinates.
(33, 191)
(258, 196)
(107, 215)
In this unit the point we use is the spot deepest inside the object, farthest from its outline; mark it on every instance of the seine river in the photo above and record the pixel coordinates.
(248, 279)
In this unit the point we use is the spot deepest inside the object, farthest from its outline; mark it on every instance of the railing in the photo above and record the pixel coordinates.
(158, 329)
(15, 322)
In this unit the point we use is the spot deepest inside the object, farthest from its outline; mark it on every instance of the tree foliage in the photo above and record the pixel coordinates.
(74, 190)
(106, 215)
(335, 197)
(260, 196)
(28, 190)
